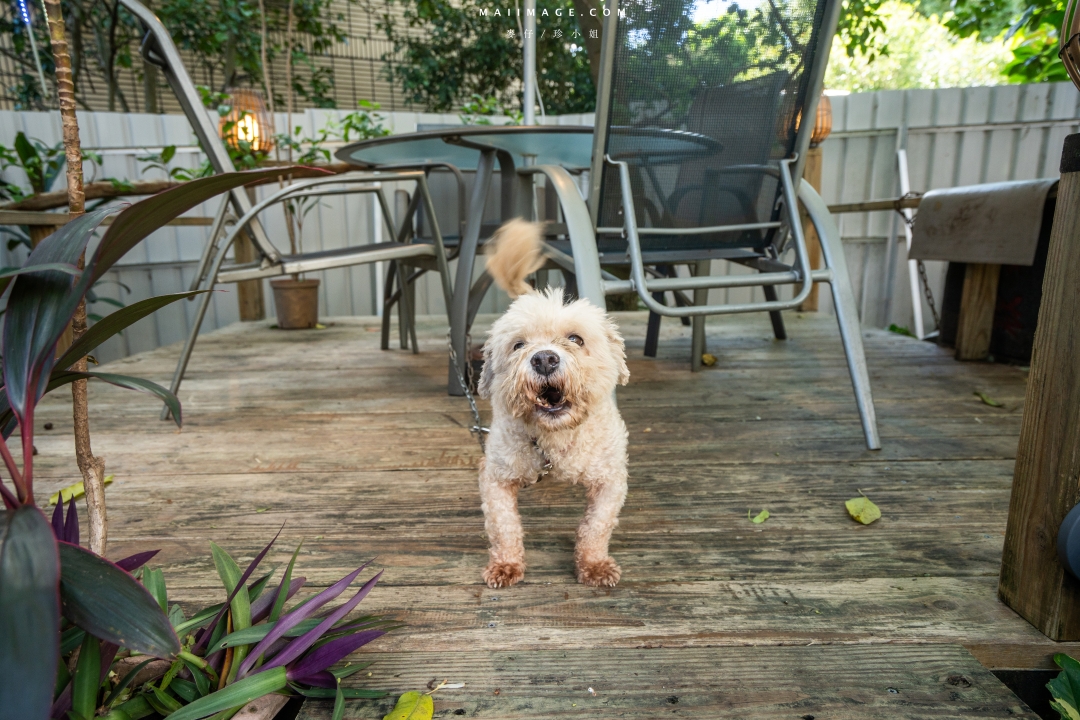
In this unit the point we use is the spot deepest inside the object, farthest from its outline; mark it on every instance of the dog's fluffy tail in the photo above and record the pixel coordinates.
(516, 254)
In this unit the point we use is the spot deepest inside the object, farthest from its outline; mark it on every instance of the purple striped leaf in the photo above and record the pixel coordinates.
(289, 620)
(302, 643)
(260, 609)
(241, 585)
(58, 521)
(334, 651)
(324, 679)
(133, 562)
(71, 524)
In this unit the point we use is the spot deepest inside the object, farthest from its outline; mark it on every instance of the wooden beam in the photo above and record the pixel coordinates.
(976, 322)
(50, 219)
(875, 205)
(1045, 485)
(812, 175)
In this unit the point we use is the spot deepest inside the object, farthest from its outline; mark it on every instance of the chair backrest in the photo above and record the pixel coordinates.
(701, 103)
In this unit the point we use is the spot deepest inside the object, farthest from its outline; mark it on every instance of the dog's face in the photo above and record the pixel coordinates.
(547, 363)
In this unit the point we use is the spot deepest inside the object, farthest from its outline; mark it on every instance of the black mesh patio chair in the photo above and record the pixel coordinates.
(697, 156)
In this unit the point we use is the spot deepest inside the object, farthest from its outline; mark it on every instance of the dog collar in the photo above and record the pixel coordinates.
(547, 463)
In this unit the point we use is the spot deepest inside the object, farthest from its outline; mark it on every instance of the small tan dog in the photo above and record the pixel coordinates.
(550, 371)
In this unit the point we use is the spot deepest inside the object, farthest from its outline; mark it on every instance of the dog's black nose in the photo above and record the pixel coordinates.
(545, 362)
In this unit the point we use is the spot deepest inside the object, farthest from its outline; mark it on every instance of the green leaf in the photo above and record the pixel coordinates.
(202, 683)
(116, 322)
(163, 702)
(139, 220)
(339, 703)
(759, 518)
(58, 267)
(412, 706)
(230, 574)
(128, 678)
(283, 590)
(39, 307)
(84, 687)
(349, 693)
(154, 582)
(29, 614)
(255, 633)
(987, 400)
(110, 604)
(862, 510)
(238, 694)
(1065, 688)
(63, 377)
(185, 689)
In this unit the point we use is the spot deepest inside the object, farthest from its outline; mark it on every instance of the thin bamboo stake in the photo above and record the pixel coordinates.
(92, 468)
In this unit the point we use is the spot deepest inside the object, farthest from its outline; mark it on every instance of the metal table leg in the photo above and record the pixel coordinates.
(459, 311)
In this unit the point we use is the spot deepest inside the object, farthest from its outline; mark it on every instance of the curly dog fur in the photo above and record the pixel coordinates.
(550, 371)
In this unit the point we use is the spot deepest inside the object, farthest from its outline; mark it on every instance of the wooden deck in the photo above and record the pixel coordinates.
(361, 453)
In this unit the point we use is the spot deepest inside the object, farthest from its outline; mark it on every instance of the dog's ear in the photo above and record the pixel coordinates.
(618, 352)
(487, 373)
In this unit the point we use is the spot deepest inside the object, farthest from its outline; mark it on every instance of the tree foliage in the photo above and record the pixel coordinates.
(222, 36)
(447, 52)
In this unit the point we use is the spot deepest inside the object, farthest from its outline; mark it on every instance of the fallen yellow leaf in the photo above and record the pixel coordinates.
(987, 400)
(74, 491)
(759, 518)
(412, 706)
(862, 510)
(708, 359)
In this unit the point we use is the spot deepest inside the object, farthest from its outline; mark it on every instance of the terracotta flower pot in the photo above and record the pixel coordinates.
(297, 303)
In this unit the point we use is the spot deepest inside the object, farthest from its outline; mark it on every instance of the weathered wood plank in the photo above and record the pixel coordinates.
(977, 306)
(1048, 460)
(864, 682)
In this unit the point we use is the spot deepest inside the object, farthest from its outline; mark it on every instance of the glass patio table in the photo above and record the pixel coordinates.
(478, 148)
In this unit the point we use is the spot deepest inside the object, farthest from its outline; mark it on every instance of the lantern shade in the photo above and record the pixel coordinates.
(248, 121)
(1069, 41)
(822, 122)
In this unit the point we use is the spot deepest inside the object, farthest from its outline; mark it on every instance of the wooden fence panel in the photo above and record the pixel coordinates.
(952, 136)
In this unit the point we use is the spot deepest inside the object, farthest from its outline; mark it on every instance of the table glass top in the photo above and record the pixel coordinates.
(568, 146)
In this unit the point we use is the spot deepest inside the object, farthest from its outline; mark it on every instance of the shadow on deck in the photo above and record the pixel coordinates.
(361, 453)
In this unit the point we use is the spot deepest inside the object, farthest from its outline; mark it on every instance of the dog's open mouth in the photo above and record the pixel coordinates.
(550, 399)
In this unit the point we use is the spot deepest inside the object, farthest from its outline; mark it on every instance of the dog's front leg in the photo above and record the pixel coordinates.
(503, 524)
(594, 565)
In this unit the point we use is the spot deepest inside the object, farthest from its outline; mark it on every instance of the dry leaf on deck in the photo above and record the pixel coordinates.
(759, 518)
(412, 706)
(862, 510)
(708, 359)
(987, 400)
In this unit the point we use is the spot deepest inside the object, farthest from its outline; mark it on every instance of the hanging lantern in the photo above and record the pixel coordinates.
(247, 122)
(823, 121)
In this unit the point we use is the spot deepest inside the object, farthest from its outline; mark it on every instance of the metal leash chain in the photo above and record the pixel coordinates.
(921, 267)
(478, 429)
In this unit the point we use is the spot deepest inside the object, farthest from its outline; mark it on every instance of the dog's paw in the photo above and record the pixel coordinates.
(602, 573)
(500, 575)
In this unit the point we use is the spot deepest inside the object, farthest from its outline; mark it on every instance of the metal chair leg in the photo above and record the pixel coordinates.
(388, 304)
(777, 319)
(701, 297)
(847, 315)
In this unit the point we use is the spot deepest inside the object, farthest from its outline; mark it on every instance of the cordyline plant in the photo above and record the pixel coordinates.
(229, 654)
(44, 582)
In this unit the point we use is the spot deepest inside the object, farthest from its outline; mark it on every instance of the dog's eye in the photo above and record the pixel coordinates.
(576, 339)
(518, 345)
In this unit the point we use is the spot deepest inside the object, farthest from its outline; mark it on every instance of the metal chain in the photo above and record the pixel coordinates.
(929, 295)
(927, 292)
(478, 428)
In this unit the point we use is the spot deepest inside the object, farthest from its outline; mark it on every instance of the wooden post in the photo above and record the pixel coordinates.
(812, 175)
(977, 303)
(249, 293)
(1045, 483)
